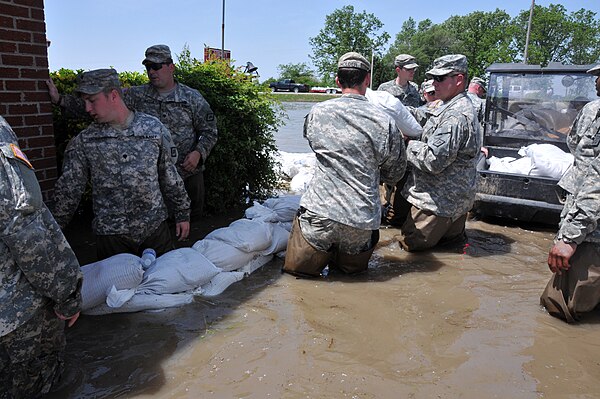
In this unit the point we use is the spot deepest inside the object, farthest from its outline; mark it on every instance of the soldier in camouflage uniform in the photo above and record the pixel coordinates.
(124, 156)
(356, 144)
(402, 87)
(39, 277)
(441, 187)
(476, 92)
(181, 109)
(575, 257)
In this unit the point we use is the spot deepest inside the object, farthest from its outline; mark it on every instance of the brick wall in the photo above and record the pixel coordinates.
(24, 99)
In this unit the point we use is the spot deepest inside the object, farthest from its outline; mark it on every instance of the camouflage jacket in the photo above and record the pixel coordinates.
(130, 171)
(444, 161)
(37, 265)
(356, 144)
(580, 215)
(184, 112)
(408, 96)
(479, 105)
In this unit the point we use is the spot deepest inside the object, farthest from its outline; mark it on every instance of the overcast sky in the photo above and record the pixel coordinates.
(91, 34)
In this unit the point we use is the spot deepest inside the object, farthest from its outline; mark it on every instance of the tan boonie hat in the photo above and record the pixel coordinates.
(354, 60)
(480, 82)
(427, 86)
(594, 71)
(159, 54)
(93, 82)
(405, 61)
(446, 64)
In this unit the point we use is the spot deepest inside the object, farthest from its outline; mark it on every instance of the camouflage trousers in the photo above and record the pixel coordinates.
(31, 357)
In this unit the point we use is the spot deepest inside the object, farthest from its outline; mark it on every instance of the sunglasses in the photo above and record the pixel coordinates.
(439, 79)
(154, 66)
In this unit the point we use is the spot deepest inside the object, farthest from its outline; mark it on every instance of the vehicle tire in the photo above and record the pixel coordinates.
(296, 90)
(273, 89)
(329, 91)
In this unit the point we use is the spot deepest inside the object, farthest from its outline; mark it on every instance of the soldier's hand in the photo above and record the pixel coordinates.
(71, 320)
(191, 161)
(53, 91)
(560, 255)
(182, 230)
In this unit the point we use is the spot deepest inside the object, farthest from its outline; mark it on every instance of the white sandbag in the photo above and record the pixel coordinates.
(255, 264)
(178, 270)
(123, 271)
(116, 298)
(221, 282)
(285, 207)
(247, 235)
(260, 212)
(407, 124)
(223, 255)
(301, 181)
(140, 302)
(292, 163)
(547, 160)
(520, 166)
(279, 240)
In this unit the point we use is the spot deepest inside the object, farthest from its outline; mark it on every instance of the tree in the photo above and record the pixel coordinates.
(346, 31)
(300, 72)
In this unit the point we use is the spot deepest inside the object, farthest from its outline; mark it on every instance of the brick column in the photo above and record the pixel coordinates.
(24, 99)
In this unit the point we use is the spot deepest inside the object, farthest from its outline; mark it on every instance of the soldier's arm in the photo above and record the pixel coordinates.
(205, 128)
(440, 150)
(72, 106)
(394, 165)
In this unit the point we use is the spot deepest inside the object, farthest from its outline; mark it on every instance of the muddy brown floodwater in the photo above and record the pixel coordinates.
(457, 323)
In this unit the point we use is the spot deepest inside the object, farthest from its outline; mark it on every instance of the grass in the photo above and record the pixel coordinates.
(304, 97)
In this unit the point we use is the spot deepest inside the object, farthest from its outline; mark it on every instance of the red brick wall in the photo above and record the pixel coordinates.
(24, 99)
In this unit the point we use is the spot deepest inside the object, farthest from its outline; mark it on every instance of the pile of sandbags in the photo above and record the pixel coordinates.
(121, 284)
(544, 160)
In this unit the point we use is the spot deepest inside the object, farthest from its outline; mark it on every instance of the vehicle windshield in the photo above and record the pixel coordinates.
(535, 106)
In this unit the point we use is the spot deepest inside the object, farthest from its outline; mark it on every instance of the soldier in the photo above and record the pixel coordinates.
(441, 187)
(403, 87)
(428, 91)
(356, 144)
(123, 154)
(575, 257)
(181, 109)
(476, 92)
(39, 277)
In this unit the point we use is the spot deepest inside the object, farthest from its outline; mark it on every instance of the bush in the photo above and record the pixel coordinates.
(241, 166)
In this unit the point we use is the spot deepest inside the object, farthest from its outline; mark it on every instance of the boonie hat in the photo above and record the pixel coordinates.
(406, 61)
(448, 64)
(354, 60)
(480, 82)
(594, 71)
(93, 82)
(427, 86)
(159, 54)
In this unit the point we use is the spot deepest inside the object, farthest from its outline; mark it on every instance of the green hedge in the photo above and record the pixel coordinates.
(241, 166)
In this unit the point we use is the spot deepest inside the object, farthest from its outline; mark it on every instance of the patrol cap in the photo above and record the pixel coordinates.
(480, 82)
(354, 60)
(406, 61)
(159, 54)
(447, 64)
(93, 82)
(427, 86)
(594, 71)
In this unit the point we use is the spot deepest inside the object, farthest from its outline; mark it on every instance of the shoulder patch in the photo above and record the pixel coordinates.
(20, 155)
(210, 117)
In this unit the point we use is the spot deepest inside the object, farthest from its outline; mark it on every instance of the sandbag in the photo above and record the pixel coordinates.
(279, 240)
(178, 270)
(301, 181)
(255, 264)
(547, 160)
(223, 255)
(221, 282)
(244, 234)
(285, 207)
(260, 212)
(124, 271)
(521, 166)
(141, 302)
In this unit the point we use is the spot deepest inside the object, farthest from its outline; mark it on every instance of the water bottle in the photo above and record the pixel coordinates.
(148, 257)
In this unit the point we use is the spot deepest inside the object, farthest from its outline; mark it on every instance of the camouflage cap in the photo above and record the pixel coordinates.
(354, 60)
(427, 86)
(93, 82)
(480, 81)
(159, 53)
(594, 71)
(405, 61)
(447, 64)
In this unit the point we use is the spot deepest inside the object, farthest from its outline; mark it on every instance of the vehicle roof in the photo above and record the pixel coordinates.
(552, 67)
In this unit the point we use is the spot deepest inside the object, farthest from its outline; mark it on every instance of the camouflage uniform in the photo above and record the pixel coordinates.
(130, 172)
(356, 144)
(39, 274)
(408, 95)
(443, 164)
(575, 291)
(479, 105)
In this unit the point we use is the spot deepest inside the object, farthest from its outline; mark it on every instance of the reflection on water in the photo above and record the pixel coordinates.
(289, 136)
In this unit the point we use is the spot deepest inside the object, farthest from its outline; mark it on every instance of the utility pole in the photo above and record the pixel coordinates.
(223, 33)
(528, 31)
